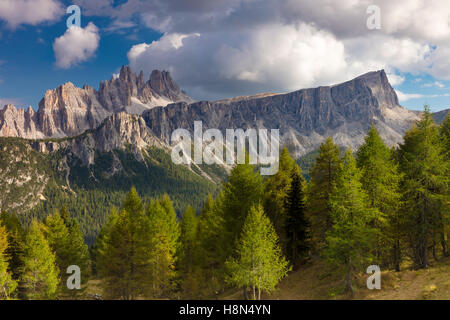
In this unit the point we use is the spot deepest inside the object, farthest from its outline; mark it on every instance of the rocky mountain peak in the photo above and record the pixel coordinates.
(68, 110)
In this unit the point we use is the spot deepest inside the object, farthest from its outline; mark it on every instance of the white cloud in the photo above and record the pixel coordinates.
(32, 12)
(76, 45)
(402, 97)
(395, 79)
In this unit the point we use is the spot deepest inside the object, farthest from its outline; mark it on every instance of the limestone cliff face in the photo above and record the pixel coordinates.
(68, 111)
(119, 131)
(305, 117)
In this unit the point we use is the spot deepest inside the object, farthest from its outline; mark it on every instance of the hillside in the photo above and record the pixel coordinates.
(316, 281)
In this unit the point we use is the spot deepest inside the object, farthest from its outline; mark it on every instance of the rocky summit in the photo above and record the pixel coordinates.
(305, 117)
(68, 111)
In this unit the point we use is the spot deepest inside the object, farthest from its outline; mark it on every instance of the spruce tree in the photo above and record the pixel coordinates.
(350, 239)
(323, 179)
(380, 179)
(39, 271)
(297, 225)
(7, 284)
(259, 263)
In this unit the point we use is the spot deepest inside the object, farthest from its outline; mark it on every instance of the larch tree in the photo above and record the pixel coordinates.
(243, 190)
(425, 188)
(165, 233)
(14, 252)
(186, 261)
(39, 274)
(211, 245)
(7, 284)
(323, 180)
(258, 263)
(276, 189)
(380, 179)
(125, 262)
(351, 237)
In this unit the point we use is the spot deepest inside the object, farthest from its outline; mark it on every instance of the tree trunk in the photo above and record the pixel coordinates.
(348, 280)
(246, 297)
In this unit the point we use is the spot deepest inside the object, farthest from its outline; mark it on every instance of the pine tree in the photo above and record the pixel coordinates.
(350, 240)
(276, 192)
(259, 263)
(39, 272)
(380, 179)
(7, 284)
(297, 225)
(186, 261)
(425, 188)
(323, 179)
(165, 233)
(125, 259)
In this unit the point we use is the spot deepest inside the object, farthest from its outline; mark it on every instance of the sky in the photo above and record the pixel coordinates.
(218, 49)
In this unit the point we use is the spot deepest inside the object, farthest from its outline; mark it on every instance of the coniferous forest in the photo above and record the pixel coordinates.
(377, 205)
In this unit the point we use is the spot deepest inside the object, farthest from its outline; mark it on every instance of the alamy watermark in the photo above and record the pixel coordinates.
(209, 147)
(374, 281)
(74, 280)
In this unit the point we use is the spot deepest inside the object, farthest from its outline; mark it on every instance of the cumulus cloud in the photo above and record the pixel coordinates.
(76, 45)
(31, 12)
(224, 48)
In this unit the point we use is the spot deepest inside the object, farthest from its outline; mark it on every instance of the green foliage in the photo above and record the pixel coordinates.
(14, 251)
(39, 275)
(425, 188)
(7, 284)
(186, 261)
(323, 180)
(297, 225)
(126, 258)
(165, 233)
(243, 190)
(276, 192)
(259, 263)
(212, 247)
(380, 179)
(351, 236)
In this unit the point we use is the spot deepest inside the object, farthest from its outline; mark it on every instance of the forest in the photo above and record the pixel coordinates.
(372, 206)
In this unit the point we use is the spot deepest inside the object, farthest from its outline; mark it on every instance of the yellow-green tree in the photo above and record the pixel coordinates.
(7, 283)
(323, 180)
(39, 272)
(259, 263)
(126, 254)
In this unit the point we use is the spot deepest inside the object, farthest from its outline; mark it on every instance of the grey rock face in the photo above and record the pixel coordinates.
(305, 117)
(68, 111)
(117, 132)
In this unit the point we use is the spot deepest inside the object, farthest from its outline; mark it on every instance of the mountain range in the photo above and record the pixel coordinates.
(85, 147)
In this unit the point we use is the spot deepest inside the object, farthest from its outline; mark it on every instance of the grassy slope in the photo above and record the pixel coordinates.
(317, 281)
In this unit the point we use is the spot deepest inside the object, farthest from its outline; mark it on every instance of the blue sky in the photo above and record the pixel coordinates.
(217, 49)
